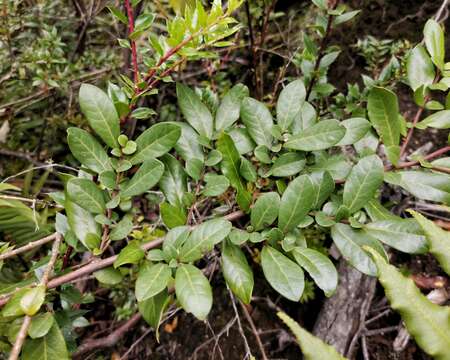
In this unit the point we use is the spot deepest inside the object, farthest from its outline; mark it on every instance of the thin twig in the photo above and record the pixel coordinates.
(28, 246)
(132, 42)
(255, 331)
(248, 352)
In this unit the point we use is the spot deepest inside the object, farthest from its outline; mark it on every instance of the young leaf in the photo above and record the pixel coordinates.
(173, 241)
(40, 325)
(237, 272)
(152, 280)
(195, 112)
(438, 240)
(428, 323)
(419, 68)
(401, 234)
(228, 111)
(130, 254)
(122, 229)
(363, 182)
(100, 113)
(86, 194)
(258, 121)
(87, 150)
(193, 291)
(109, 276)
(50, 347)
(296, 202)
(173, 182)
(350, 242)
(289, 103)
(156, 141)
(203, 238)
(320, 136)
(284, 275)
(434, 42)
(145, 178)
(265, 210)
(172, 216)
(306, 118)
(32, 300)
(312, 347)
(383, 112)
(242, 140)
(230, 168)
(319, 267)
(153, 309)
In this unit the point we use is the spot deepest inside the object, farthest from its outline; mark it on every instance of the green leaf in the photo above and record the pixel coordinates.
(228, 111)
(312, 347)
(193, 291)
(32, 300)
(288, 164)
(215, 185)
(145, 178)
(188, 145)
(203, 238)
(50, 347)
(194, 111)
(323, 187)
(152, 280)
(86, 194)
(122, 229)
(435, 42)
(87, 150)
(258, 121)
(438, 240)
(82, 224)
(350, 242)
(265, 210)
(173, 241)
(428, 323)
(130, 254)
(289, 103)
(424, 185)
(100, 113)
(172, 216)
(419, 68)
(119, 15)
(319, 267)
(12, 307)
(153, 309)
(242, 140)
(438, 120)
(230, 166)
(109, 276)
(284, 275)
(296, 201)
(377, 212)
(337, 165)
(320, 136)
(40, 325)
(355, 129)
(237, 272)
(156, 141)
(248, 170)
(306, 118)
(173, 182)
(401, 234)
(214, 157)
(363, 182)
(194, 168)
(383, 112)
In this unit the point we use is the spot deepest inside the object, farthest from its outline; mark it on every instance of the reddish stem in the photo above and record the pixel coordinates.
(427, 157)
(410, 132)
(132, 42)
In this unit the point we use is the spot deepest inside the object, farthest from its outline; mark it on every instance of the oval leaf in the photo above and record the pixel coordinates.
(100, 113)
(145, 178)
(284, 275)
(193, 291)
(152, 280)
(265, 210)
(289, 103)
(228, 111)
(419, 68)
(86, 194)
(258, 121)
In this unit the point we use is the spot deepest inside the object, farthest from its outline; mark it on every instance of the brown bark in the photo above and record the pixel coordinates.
(342, 316)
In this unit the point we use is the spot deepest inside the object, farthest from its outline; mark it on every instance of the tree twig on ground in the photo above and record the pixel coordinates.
(248, 352)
